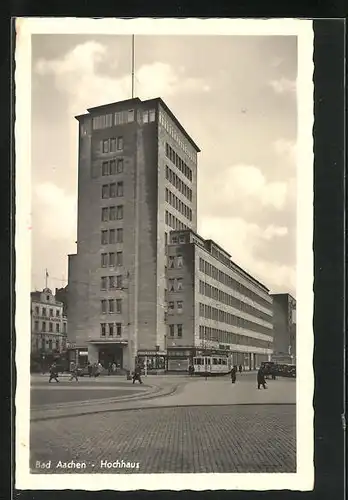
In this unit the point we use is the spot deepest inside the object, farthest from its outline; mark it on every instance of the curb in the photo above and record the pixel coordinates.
(164, 407)
(91, 410)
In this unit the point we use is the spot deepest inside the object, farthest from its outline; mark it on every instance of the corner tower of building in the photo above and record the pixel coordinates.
(137, 181)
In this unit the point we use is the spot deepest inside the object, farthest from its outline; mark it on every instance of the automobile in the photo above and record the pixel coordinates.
(82, 371)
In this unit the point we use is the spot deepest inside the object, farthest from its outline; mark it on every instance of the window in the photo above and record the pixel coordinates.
(105, 215)
(119, 259)
(112, 167)
(106, 146)
(179, 261)
(104, 259)
(103, 306)
(37, 310)
(145, 117)
(112, 238)
(179, 306)
(179, 327)
(112, 259)
(105, 168)
(119, 143)
(105, 191)
(51, 313)
(103, 329)
(44, 311)
(50, 345)
(112, 213)
(44, 326)
(171, 330)
(120, 165)
(119, 235)
(131, 115)
(50, 327)
(119, 189)
(179, 284)
(119, 212)
(171, 306)
(118, 329)
(119, 281)
(111, 282)
(113, 145)
(171, 262)
(57, 345)
(111, 306)
(174, 240)
(36, 326)
(152, 115)
(119, 306)
(171, 285)
(104, 237)
(113, 190)
(57, 313)
(166, 238)
(103, 283)
(57, 328)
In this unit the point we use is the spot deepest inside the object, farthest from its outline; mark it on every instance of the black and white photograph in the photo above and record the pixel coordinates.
(164, 199)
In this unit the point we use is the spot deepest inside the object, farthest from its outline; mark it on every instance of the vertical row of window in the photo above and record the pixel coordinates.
(178, 162)
(172, 131)
(173, 222)
(178, 183)
(178, 204)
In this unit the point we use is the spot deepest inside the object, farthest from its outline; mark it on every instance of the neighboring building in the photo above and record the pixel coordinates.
(48, 323)
(214, 305)
(284, 326)
(137, 181)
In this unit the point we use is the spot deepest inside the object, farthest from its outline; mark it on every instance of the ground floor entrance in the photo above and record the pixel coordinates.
(111, 354)
(108, 354)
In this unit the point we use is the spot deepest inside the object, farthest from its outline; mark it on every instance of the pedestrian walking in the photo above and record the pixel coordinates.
(110, 368)
(240, 368)
(261, 379)
(137, 375)
(114, 368)
(73, 372)
(53, 373)
(233, 375)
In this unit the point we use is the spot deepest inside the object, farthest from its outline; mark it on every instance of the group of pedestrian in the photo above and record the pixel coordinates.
(112, 368)
(261, 380)
(95, 369)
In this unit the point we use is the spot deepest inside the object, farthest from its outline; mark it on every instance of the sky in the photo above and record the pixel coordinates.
(235, 96)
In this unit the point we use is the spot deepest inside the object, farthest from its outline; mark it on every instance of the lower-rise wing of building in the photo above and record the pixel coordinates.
(214, 306)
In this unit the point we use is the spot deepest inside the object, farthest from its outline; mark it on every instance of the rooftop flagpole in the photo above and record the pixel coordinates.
(133, 64)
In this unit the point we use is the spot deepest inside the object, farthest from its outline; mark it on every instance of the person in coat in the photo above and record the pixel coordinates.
(233, 375)
(261, 378)
(137, 375)
(53, 373)
(240, 368)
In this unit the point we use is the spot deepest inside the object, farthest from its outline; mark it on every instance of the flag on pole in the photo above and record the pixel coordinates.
(46, 273)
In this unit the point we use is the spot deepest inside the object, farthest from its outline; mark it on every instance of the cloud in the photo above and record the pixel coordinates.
(286, 148)
(76, 75)
(283, 86)
(247, 184)
(55, 212)
(242, 240)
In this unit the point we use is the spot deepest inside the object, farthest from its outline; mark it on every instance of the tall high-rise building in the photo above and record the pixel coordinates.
(137, 181)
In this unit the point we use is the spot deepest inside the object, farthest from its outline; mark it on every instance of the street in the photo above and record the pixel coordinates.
(172, 424)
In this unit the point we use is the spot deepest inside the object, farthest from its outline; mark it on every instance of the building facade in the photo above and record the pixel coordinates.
(214, 305)
(284, 326)
(49, 325)
(137, 181)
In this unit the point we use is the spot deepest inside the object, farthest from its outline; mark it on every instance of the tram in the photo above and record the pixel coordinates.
(212, 365)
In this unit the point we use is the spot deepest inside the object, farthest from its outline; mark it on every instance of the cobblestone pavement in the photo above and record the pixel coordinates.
(224, 439)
